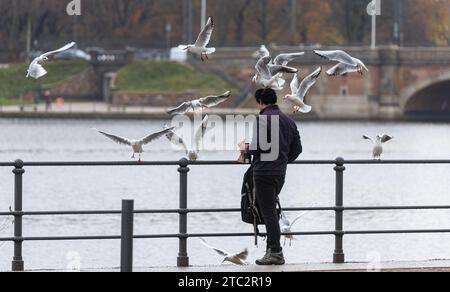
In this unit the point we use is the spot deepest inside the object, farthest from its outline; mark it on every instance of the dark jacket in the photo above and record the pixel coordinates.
(289, 142)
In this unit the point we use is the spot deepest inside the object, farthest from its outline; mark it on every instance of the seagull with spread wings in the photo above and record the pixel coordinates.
(346, 63)
(237, 259)
(299, 91)
(378, 144)
(193, 152)
(136, 145)
(200, 47)
(200, 104)
(36, 70)
(286, 226)
(268, 75)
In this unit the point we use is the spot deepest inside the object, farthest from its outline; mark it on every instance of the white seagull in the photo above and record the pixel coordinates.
(269, 75)
(200, 104)
(200, 46)
(286, 226)
(36, 70)
(285, 59)
(346, 63)
(136, 145)
(237, 259)
(193, 153)
(378, 144)
(280, 60)
(299, 92)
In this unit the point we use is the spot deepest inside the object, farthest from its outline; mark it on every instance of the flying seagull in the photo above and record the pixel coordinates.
(299, 92)
(286, 226)
(136, 145)
(36, 70)
(237, 259)
(378, 144)
(269, 76)
(346, 63)
(200, 104)
(285, 59)
(280, 60)
(194, 152)
(200, 46)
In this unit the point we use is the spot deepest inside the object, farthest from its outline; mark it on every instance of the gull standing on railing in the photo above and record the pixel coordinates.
(193, 153)
(237, 259)
(200, 46)
(136, 145)
(36, 70)
(378, 144)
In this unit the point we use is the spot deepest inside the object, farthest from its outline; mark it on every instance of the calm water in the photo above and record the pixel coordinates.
(211, 187)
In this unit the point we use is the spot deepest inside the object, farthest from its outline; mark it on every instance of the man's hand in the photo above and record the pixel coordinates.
(243, 147)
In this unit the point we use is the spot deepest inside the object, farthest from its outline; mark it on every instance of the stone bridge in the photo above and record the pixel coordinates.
(402, 82)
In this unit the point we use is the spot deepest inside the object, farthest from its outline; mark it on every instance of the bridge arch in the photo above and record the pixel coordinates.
(430, 96)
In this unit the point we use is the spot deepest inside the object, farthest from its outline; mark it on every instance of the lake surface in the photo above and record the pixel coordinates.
(81, 188)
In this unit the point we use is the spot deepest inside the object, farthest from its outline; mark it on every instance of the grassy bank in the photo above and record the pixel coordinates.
(165, 77)
(13, 82)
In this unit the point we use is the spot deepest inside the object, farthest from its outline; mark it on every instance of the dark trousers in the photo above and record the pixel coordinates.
(267, 189)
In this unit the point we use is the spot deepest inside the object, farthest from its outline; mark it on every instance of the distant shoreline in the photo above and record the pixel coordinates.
(164, 116)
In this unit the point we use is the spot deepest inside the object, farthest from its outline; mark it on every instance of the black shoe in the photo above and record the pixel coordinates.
(272, 259)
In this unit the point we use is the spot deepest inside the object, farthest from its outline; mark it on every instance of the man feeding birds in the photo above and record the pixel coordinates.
(275, 143)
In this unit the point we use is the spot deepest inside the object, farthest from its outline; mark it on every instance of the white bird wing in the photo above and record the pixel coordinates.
(176, 140)
(296, 219)
(152, 137)
(262, 68)
(211, 101)
(367, 137)
(284, 59)
(243, 255)
(307, 83)
(201, 132)
(65, 48)
(219, 251)
(115, 138)
(386, 138)
(337, 56)
(275, 69)
(182, 109)
(341, 69)
(295, 84)
(205, 35)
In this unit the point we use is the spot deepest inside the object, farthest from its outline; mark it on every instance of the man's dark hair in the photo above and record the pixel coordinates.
(266, 96)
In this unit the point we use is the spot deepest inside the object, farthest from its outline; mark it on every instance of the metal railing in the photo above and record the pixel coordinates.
(128, 211)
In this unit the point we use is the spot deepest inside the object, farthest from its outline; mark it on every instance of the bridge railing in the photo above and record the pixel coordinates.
(183, 211)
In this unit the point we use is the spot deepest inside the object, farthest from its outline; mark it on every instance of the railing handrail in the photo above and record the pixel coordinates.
(183, 211)
(219, 162)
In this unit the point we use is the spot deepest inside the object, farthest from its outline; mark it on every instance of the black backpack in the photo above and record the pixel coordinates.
(249, 208)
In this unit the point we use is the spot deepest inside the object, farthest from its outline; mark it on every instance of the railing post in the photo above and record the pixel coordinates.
(339, 256)
(18, 264)
(183, 258)
(126, 254)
